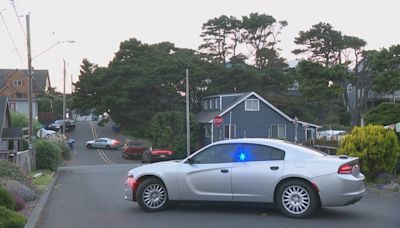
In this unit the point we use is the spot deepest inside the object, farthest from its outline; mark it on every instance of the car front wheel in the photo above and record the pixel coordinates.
(152, 195)
(89, 146)
(297, 199)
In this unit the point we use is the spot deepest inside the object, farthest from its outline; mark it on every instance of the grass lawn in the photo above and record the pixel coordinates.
(44, 180)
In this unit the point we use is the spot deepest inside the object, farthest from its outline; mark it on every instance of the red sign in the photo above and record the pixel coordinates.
(218, 120)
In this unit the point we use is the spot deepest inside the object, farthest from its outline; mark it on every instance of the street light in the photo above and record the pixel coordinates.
(52, 46)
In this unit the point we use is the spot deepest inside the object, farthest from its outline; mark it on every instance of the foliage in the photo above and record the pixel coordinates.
(383, 114)
(167, 130)
(48, 155)
(51, 101)
(386, 65)
(65, 150)
(19, 189)
(9, 170)
(377, 148)
(6, 199)
(21, 120)
(44, 180)
(11, 219)
(19, 202)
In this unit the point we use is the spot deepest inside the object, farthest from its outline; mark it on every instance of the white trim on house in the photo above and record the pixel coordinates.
(220, 102)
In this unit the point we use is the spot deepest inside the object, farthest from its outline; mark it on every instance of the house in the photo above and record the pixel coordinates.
(14, 84)
(248, 115)
(10, 138)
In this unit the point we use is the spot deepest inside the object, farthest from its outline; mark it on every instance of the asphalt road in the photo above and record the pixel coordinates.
(89, 193)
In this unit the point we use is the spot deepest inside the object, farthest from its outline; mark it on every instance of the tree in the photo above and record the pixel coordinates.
(377, 148)
(168, 130)
(260, 32)
(386, 65)
(383, 114)
(322, 42)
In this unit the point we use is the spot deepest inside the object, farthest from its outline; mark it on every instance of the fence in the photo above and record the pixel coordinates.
(25, 160)
(331, 150)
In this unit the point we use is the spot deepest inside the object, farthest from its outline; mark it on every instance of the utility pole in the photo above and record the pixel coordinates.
(64, 125)
(28, 42)
(187, 115)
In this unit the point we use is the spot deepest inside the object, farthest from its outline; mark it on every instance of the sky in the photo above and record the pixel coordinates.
(99, 26)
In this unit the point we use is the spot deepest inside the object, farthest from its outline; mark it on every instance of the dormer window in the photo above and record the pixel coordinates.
(252, 105)
(216, 103)
(205, 104)
(211, 103)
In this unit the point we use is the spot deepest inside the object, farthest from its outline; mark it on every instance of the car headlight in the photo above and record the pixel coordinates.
(130, 175)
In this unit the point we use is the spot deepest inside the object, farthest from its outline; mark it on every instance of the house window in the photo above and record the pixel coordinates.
(226, 131)
(211, 103)
(252, 105)
(295, 85)
(216, 103)
(205, 105)
(17, 83)
(207, 130)
(278, 131)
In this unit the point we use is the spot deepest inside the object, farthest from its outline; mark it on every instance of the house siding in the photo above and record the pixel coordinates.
(228, 100)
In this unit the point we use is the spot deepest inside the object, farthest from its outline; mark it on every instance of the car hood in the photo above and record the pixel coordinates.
(90, 141)
(154, 168)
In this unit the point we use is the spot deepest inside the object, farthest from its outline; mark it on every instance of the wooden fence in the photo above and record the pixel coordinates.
(25, 160)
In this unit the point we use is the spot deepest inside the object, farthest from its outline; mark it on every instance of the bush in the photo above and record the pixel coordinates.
(19, 202)
(11, 219)
(383, 114)
(377, 148)
(48, 155)
(19, 189)
(9, 171)
(65, 151)
(167, 130)
(6, 199)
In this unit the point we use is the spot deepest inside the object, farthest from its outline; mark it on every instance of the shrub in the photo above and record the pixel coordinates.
(167, 130)
(6, 199)
(65, 151)
(48, 155)
(377, 148)
(9, 171)
(383, 114)
(11, 219)
(19, 202)
(19, 189)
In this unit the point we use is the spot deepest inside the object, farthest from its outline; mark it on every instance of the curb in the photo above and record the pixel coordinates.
(37, 212)
(381, 191)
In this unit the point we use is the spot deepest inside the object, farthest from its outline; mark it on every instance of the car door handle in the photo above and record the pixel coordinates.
(274, 167)
(224, 170)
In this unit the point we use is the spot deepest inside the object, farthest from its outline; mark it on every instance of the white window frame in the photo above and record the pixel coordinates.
(233, 131)
(216, 103)
(211, 103)
(278, 127)
(246, 105)
(17, 82)
(312, 133)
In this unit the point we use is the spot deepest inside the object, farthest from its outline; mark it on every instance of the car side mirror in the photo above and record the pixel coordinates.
(190, 160)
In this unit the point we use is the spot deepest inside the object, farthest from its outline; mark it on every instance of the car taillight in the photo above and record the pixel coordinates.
(348, 168)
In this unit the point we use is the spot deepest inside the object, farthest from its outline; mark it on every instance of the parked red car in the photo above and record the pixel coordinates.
(133, 149)
(153, 155)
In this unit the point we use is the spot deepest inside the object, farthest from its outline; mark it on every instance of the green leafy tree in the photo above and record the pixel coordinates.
(261, 33)
(11, 219)
(168, 130)
(377, 148)
(48, 155)
(21, 120)
(383, 114)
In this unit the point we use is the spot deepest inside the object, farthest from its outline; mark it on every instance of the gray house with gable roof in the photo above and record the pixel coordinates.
(248, 115)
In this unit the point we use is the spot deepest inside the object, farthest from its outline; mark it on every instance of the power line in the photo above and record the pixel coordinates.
(11, 38)
(16, 14)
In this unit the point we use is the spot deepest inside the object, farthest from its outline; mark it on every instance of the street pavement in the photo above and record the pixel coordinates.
(89, 193)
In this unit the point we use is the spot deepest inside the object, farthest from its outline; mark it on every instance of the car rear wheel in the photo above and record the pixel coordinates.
(152, 195)
(89, 146)
(297, 199)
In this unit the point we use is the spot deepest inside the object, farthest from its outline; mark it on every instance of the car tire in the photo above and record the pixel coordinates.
(152, 195)
(89, 146)
(108, 147)
(297, 199)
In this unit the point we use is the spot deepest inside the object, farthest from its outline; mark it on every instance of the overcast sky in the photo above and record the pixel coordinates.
(98, 26)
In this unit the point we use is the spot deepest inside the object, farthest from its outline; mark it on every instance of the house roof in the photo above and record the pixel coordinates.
(12, 133)
(207, 117)
(39, 78)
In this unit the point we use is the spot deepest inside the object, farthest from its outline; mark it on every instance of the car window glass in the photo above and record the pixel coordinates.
(251, 152)
(277, 154)
(216, 154)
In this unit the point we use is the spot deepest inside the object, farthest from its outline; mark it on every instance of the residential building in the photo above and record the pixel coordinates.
(248, 115)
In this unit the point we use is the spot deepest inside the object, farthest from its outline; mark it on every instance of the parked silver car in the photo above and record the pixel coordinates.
(103, 143)
(296, 179)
